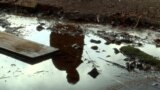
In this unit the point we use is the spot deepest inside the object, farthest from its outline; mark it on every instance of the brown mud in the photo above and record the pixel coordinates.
(134, 13)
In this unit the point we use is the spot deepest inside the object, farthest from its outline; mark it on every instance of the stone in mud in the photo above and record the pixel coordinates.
(108, 56)
(107, 43)
(40, 27)
(139, 44)
(94, 47)
(95, 41)
(94, 73)
(116, 51)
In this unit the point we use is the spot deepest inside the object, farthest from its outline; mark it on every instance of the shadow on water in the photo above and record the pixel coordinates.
(69, 56)
(24, 58)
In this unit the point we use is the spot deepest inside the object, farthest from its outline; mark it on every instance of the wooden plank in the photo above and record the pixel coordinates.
(28, 51)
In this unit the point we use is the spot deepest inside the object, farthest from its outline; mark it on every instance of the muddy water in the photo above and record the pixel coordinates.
(81, 67)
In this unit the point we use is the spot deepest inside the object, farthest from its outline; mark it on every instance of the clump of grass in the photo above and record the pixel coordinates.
(142, 56)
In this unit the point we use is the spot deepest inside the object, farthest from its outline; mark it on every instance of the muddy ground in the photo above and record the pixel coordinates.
(135, 13)
(88, 52)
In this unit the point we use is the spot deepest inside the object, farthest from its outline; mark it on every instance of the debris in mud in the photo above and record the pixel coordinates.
(9, 71)
(113, 63)
(14, 30)
(69, 29)
(94, 47)
(116, 51)
(40, 72)
(131, 65)
(140, 57)
(139, 44)
(75, 46)
(4, 23)
(4, 77)
(95, 41)
(108, 56)
(94, 73)
(155, 84)
(140, 66)
(98, 51)
(118, 38)
(13, 65)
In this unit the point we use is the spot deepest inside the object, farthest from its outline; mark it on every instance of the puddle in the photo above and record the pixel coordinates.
(78, 66)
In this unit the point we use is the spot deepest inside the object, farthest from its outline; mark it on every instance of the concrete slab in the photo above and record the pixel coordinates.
(25, 50)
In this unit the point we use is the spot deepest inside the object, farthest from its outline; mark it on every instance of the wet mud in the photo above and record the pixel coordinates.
(133, 13)
(89, 56)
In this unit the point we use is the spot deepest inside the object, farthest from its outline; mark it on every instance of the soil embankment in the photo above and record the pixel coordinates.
(135, 13)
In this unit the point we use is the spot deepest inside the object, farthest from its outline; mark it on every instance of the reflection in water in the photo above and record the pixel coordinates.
(38, 76)
(69, 56)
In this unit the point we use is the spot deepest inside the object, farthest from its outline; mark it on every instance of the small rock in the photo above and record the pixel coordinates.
(107, 43)
(108, 55)
(95, 41)
(94, 73)
(42, 24)
(40, 27)
(94, 47)
(127, 59)
(116, 51)
(139, 44)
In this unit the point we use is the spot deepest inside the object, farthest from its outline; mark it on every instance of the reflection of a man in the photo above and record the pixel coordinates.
(69, 56)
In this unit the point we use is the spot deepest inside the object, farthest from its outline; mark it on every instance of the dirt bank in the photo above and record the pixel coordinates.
(145, 13)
